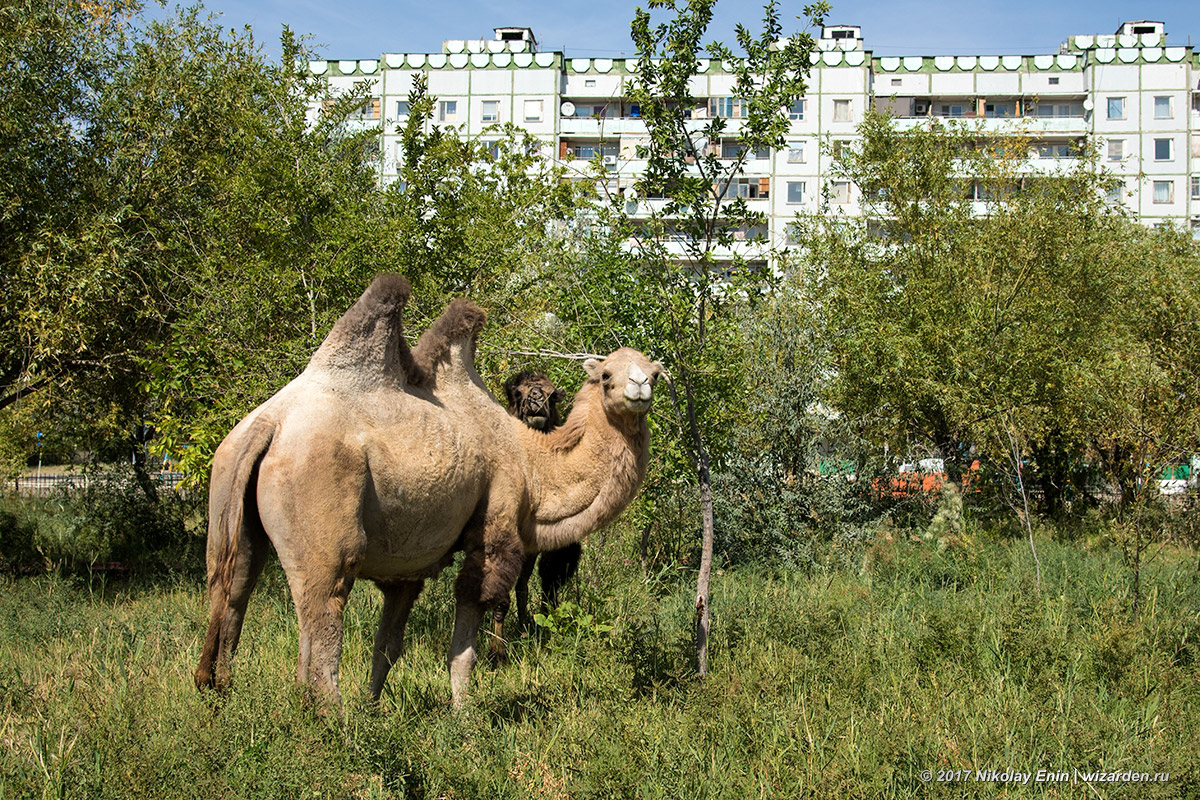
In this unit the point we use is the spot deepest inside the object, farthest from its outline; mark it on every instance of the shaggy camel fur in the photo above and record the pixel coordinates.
(379, 463)
(534, 399)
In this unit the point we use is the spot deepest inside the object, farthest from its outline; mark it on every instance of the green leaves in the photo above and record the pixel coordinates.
(976, 298)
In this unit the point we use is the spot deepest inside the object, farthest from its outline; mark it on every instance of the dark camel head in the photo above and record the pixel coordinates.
(534, 400)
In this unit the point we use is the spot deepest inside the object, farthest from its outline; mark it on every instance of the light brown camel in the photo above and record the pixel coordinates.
(379, 463)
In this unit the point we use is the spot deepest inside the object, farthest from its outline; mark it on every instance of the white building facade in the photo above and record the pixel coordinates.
(1135, 97)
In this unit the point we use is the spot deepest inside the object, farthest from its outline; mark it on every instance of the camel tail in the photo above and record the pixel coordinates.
(230, 514)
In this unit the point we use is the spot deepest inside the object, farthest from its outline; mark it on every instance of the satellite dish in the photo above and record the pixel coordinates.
(567, 108)
(1088, 105)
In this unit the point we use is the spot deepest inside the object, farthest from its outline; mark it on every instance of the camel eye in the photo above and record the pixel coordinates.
(607, 376)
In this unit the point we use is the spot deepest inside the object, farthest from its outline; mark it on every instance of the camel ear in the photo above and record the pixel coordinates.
(592, 366)
(662, 372)
(558, 396)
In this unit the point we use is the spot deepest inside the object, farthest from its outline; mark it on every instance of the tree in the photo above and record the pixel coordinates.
(298, 224)
(487, 216)
(675, 289)
(980, 302)
(63, 273)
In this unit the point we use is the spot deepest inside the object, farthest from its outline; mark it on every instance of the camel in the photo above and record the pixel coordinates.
(378, 462)
(534, 399)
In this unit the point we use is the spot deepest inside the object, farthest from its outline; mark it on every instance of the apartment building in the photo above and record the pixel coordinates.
(1136, 97)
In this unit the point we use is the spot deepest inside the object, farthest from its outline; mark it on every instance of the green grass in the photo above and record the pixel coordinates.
(843, 683)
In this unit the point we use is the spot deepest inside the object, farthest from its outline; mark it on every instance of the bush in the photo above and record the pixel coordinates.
(115, 522)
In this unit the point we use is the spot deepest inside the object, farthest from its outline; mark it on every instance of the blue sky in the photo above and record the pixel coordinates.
(367, 28)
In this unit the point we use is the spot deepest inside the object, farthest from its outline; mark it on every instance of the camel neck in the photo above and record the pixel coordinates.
(586, 472)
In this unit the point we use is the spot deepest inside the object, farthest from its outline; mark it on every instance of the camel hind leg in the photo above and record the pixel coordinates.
(319, 593)
(227, 606)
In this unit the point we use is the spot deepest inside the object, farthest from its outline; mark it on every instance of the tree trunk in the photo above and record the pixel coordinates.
(706, 559)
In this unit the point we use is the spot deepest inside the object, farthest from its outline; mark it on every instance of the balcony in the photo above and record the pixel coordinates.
(1010, 125)
(600, 127)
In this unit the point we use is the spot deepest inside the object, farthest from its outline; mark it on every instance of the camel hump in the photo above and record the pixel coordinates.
(366, 345)
(460, 323)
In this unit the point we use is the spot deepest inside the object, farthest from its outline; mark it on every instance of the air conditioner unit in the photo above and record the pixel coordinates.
(921, 107)
(610, 161)
(569, 153)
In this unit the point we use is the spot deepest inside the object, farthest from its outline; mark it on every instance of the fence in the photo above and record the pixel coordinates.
(45, 485)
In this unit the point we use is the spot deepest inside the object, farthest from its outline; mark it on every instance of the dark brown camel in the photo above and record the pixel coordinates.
(534, 399)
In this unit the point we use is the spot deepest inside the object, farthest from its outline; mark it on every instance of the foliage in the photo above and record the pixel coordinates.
(488, 217)
(568, 625)
(110, 521)
(280, 227)
(795, 477)
(977, 303)
(670, 289)
(66, 271)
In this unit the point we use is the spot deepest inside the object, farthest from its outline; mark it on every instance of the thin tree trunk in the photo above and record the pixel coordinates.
(706, 559)
(1015, 454)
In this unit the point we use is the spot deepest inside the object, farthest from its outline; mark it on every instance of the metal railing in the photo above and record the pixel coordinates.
(45, 485)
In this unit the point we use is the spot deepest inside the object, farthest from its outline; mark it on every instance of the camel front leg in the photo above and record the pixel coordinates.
(468, 614)
(398, 599)
(488, 573)
(497, 651)
(523, 591)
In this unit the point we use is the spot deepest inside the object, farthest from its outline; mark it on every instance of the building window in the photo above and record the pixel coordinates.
(1116, 108)
(1162, 107)
(402, 109)
(370, 109)
(841, 110)
(796, 112)
(795, 153)
(1116, 149)
(589, 83)
(587, 152)
(996, 110)
(952, 110)
(795, 191)
(448, 111)
(1162, 149)
(1060, 109)
(839, 192)
(748, 188)
(1054, 150)
(1196, 187)
(533, 110)
(1164, 192)
(731, 107)
(491, 111)
(635, 111)
(896, 81)
(1116, 193)
(1054, 81)
(732, 149)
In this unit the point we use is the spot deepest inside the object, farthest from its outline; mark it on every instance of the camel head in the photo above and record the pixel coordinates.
(627, 379)
(534, 400)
